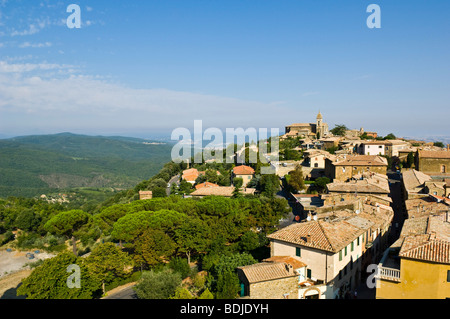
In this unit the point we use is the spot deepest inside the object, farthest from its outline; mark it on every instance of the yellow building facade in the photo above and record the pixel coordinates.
(418, 280)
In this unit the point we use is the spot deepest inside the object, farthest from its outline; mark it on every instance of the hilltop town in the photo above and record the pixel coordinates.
(362, 200)
(344, 214)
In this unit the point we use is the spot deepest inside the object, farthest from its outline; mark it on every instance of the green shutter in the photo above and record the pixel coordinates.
(298, 252)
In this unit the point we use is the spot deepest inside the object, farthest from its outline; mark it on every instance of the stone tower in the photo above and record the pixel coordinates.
(319, 126)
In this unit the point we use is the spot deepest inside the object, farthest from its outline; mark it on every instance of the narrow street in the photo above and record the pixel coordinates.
(398, 206)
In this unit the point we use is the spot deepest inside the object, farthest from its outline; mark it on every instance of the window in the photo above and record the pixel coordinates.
(352, 246)
(443, 169)
(298, 252)
(308, 273)
(340, 255)
(357, 241)
(345, 251)
(448, 275)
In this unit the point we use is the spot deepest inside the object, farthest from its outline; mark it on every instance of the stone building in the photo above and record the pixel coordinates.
(336, 248)
(312, 130)
(274, 278)
(245, 172)
(145, 195)
(346, 167)
(434, 163)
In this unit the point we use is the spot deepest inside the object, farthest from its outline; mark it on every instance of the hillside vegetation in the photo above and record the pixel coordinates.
(33, 165)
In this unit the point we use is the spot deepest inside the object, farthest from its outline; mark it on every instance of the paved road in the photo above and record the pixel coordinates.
(173, 180)
(126, 293)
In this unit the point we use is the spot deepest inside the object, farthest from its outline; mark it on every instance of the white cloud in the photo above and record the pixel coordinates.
(32, 29)
(35, 45)
(6, 67)
(78, 101)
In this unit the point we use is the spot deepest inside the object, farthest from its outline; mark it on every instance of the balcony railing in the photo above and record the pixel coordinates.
(389, 273)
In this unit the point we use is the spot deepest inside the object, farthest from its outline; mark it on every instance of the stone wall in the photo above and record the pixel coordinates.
(275, 289)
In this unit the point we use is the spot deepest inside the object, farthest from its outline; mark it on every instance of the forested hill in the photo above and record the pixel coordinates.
(33, 165)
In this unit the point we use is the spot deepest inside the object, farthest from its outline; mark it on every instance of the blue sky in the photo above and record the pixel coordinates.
(139, 67)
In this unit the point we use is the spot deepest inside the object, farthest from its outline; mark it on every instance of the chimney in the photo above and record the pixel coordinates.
(289, 268)
(308, 238)
(432, 235)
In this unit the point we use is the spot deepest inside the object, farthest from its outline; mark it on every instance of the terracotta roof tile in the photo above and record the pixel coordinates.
(417, 247)
(243, 170)
(226, 191)
(267, 271)
(329, 236)
(434, 154)
(205, 184)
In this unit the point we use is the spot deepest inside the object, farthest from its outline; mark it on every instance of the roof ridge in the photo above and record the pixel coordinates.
(325, 235)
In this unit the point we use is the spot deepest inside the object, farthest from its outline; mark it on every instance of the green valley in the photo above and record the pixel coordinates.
(42, 164)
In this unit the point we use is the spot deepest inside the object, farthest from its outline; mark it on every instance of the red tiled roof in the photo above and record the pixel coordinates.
(267, 271)
(205, 184)
(319, 234)
(295, 262)
(243, 170)
(415, 247)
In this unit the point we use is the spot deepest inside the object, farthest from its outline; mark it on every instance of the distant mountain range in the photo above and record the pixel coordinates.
(32, 165)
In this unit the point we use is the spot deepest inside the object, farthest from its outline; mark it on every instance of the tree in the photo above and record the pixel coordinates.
(50, 280)
(227, 285)
(27, 220)
(107, 262)
(321, 183)
(410, 160)
(269, 184)
(158, 285)
(390, 136)
(159, 192)
(339, 130)
(128, 227)
(192, 236)
(206, 294)
(67, 224)
(296, 181)
(211, 176)
(237, 182)
(153, 247)
(181, 266)
(439, 144)
(249, 241)
(182, 293)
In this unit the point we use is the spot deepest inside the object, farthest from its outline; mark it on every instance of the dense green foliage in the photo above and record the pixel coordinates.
(49, 280)
(162, 240)
(34, 165)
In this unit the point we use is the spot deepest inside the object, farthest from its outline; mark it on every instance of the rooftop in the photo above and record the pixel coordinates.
(243, 170)
(413, 179)
(268, 271)
(361, 160)
(226, 191)
(434, 154)
(426, 238)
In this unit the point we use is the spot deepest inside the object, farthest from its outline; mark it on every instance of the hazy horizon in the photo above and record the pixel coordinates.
(147, 68)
